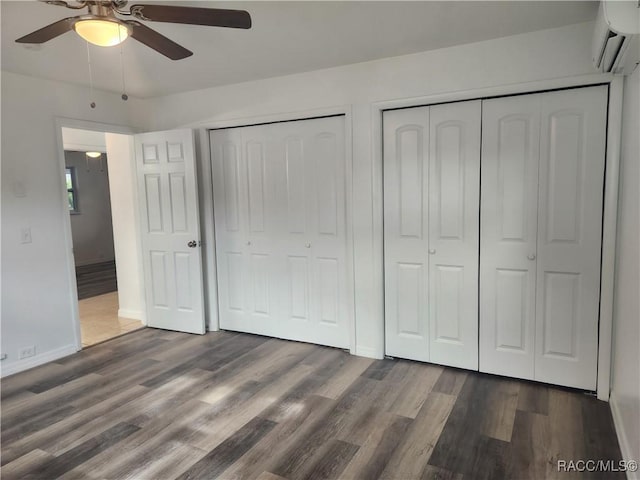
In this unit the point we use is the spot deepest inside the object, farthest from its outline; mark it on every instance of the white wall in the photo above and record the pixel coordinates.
(91, 225)
(523, 58)
(37, 295)
(124, 205)
(625, 394)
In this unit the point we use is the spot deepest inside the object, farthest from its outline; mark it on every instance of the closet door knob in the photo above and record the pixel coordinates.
(308, 245)
(248, 242)
(432, 251)
(192, 244)
(532, 256)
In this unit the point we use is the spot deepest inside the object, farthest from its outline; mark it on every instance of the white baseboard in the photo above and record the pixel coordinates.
(368, 352)
(623, 438)
(133, 314)
(31, 362)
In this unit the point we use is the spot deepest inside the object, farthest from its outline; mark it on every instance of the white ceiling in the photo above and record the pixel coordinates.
(287, 37)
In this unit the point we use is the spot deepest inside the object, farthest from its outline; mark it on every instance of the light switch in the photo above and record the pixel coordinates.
(25, 235)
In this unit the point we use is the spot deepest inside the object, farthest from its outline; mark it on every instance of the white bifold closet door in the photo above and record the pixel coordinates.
(431, 202)
(541, 216)
(280, 227)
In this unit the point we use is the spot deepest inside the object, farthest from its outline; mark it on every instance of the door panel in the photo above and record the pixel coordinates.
(280, 206)
(406, 210)
(572, 154)
(165, 164)
(510, 152)
(244, 214)
(454, 198)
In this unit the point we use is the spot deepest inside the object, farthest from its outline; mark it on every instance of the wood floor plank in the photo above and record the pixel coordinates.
(283, 437)
(331, 464)
(22, 467)
(419, 382)
(378, 369)
(503, 401)
(533, 398)
(434, 473)
(529, 449)
(386, 435)
(335, 385)
(412, 454)
(57, 466)
(451, 381)
(160, 404)
(225, 454)
(69, 429)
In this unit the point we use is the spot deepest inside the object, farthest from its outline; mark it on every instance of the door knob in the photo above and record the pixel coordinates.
(249, 242)
(531, 256)
(308, 245)
(192, 244)
(432, 251)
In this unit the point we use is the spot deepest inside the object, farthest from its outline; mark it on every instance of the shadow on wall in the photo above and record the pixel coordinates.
(90, 208)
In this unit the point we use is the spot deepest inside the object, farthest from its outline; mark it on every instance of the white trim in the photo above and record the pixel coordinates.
(273, 118)
(207, 230)
(80, 147)
(497, 91)
(609, 226)
(623, 438)
(205, 152)
(132, 314)
(61, 122)
(31, 362)
(367, 352)
(611, 193)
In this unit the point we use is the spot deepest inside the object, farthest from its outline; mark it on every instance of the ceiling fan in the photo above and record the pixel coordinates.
(102, 26)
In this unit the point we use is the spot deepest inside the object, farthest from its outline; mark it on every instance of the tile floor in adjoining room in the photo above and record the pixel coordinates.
(99, 319)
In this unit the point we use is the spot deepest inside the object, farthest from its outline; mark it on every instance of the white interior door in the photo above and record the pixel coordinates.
(281, 242)
(406, 232)
(572, 156)
(316, 301)
(542, 184)
(244, 172)
(509, 217)
(454, 200)
(167, 192)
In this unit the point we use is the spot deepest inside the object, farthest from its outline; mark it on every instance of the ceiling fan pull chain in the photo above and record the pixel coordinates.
(93, 103)
(124, 96)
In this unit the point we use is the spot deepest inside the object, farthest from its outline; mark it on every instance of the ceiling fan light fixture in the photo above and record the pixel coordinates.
(101, 31)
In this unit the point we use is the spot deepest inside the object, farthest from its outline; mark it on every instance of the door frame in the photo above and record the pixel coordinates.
(61, 122)
(610, 212)
(205, 184)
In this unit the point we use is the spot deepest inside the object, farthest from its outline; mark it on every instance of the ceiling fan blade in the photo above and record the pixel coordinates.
(213, 17)
(47, 33)
(158, 42)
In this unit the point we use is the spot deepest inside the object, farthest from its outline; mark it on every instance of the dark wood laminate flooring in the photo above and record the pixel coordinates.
(161, 405)
(96, 279)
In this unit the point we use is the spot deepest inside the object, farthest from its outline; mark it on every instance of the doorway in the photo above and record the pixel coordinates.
(100, 194)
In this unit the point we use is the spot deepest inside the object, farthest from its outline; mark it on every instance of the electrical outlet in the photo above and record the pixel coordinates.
(26, 352)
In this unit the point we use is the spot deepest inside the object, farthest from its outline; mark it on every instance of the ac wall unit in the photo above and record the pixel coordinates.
(616, 41)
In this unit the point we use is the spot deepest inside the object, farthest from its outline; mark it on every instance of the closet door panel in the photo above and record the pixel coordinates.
(406, 150)
(454, 196)
(315, 235)
(572, 156)
(244, 170)
(508, 225)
